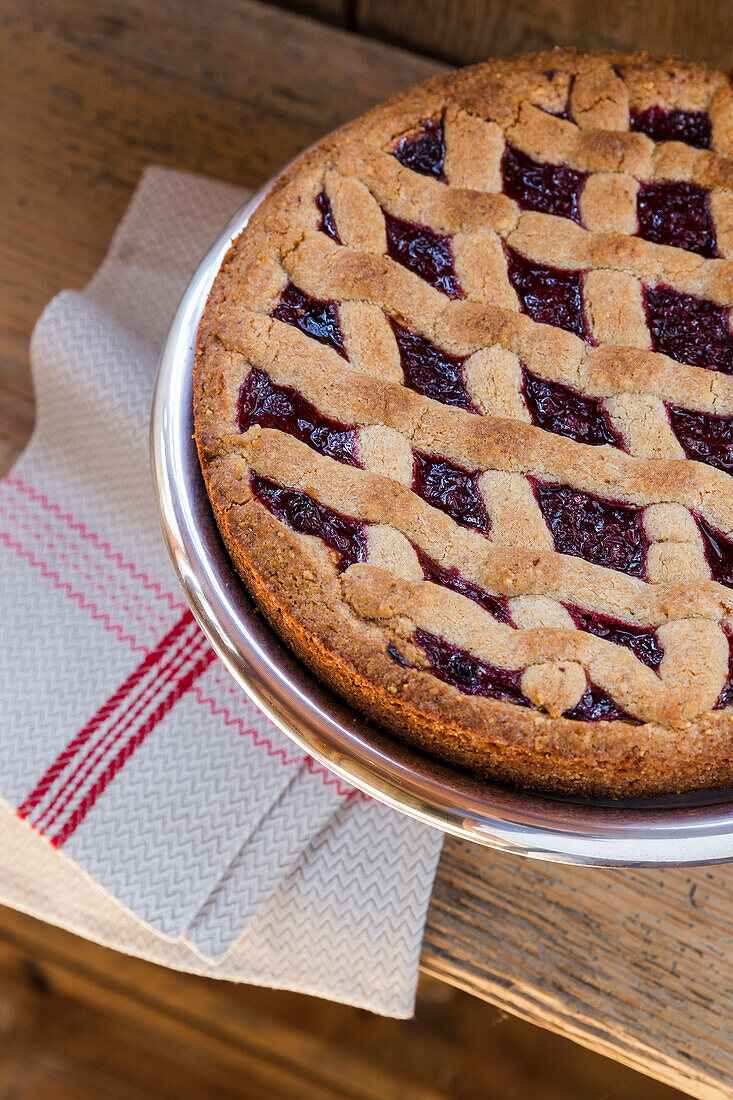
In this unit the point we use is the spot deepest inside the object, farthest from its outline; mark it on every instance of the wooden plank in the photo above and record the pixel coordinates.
(94, 92)
(76, 1011)
(464, 31)
(9, 451)
(635, 964)
(339, 13)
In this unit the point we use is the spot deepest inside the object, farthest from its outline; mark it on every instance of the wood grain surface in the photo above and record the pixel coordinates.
(80, 1022)
(94, 90)
(464, 31)
(637, 965)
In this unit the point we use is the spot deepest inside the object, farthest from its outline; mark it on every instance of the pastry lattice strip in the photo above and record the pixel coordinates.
(706, 277)
(688, 683)
(533, 577)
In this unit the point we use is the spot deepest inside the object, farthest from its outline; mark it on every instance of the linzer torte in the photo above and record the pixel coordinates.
(464, 407)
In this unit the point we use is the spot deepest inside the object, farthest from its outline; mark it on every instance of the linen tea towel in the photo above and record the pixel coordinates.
(124, 743)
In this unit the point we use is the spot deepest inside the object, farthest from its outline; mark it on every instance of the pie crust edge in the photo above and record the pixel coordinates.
(303, 599)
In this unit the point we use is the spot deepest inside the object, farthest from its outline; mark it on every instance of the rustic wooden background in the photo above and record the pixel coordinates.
(638, 965)
(464, 31)
(79, 1022)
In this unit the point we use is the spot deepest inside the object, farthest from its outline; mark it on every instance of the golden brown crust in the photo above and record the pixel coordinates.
(494, 739)
(341, 622)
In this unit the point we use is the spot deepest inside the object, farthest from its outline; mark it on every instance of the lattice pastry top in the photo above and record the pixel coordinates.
(464, 405)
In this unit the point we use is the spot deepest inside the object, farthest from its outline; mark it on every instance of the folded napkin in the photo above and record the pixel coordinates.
(146, 803)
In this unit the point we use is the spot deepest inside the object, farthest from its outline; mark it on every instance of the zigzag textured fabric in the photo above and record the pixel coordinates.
(146, 803)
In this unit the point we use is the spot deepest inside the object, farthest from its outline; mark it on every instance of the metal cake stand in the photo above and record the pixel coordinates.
(674, 831)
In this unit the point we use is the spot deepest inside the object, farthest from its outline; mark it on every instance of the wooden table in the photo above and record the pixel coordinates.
(635, 964)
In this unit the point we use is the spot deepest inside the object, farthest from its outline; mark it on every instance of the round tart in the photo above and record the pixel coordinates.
(464, 407)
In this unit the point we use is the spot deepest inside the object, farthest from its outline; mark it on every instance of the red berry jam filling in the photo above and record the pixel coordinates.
(548, 294)
(599, 531)
(704, 437)
(462, 670)
(309, 517)
(262, 402)
(718, 551)
(468, 674)
(725, 699)
(327, 223)
(397, 657)
(690, 330)
(430, 370)
(423, 252)
(559, 409)
(550, 188)
(423, 150)
(452, 489)
(676, 213)
(660, 124)
(314, 317)
(498, 606)
(595, 706)
(642, 641)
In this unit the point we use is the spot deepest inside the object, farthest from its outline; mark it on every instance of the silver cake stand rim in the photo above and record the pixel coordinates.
(667, 832)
